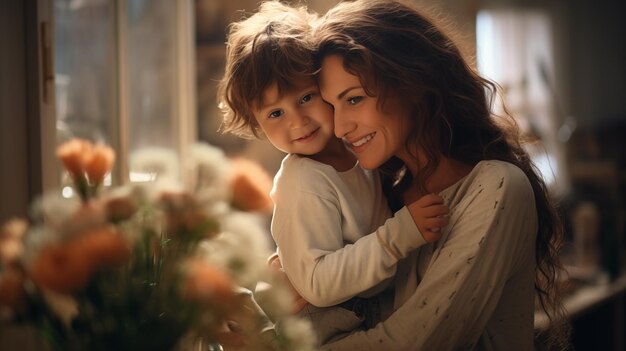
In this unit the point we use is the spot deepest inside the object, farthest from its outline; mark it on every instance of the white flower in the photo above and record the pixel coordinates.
(242, 248)
(37, 238)
(67, 217)
(298, 334)
(207, 172)
(54, 209)
(153, 163)
(89, 216)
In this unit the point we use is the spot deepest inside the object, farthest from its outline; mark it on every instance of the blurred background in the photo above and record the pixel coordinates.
(142, 74)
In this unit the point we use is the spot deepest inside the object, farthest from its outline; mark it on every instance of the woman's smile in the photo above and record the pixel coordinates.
(360, 144)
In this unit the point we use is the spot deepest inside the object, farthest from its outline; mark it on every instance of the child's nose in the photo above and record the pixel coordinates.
(299, 119)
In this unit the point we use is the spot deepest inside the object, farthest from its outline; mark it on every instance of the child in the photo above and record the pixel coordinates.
(325, 202)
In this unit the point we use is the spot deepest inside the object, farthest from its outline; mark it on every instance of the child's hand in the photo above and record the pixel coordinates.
(430, 216)
(277, 267)
(246, 327)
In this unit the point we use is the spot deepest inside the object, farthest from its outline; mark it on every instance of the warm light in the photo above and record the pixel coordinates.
(107, 180)
(547, 166)
(142, 177)
(67, 192)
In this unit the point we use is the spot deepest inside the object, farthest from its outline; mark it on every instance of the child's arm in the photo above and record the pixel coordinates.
(323, 265)
(320, 267)
(428, 214)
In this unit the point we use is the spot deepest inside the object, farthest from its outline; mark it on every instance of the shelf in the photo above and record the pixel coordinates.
(585, 299)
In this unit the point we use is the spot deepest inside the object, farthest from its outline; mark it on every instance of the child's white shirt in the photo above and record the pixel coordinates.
(320, 215)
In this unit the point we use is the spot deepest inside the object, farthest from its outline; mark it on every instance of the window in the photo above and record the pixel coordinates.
(514, 49)
(124, 76)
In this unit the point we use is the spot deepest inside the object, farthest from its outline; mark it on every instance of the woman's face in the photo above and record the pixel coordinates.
(373, 134)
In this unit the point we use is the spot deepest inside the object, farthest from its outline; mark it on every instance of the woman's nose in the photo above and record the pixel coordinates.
(342, 125)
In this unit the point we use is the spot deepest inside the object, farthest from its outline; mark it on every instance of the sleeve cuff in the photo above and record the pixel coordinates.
(400, 235)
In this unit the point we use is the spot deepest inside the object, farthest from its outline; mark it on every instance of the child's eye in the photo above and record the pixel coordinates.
(306, 98)
(354, 100)
(276, 114)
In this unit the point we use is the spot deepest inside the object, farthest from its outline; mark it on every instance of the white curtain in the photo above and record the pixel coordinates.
(514, 49)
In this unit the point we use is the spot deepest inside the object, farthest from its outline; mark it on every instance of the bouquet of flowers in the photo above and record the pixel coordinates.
(158, 265)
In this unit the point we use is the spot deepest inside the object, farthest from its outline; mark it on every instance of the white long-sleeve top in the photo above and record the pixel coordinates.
(474, 288)
(327, 228)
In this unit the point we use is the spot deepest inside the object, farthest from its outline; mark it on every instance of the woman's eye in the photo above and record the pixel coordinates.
(276, 114)
(306, 98)
(354, 100)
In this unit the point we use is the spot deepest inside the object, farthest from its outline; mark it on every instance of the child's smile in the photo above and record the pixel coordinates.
(308, 137)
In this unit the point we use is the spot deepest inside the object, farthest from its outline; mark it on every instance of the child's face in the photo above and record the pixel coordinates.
(298, 122)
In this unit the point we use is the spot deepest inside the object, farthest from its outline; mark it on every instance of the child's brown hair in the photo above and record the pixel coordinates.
(272, 46)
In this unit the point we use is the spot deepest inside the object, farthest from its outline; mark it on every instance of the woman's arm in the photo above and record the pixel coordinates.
(490, 241)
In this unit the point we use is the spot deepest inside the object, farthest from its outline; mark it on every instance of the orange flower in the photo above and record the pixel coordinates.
(195, 220)
(119, 208)
(73, 154)
(12, 289)
(184, 214)
(11, 245)
(250, 185)
(104, 246)
(208, 284)
(98, 162)
(62, 268)
(177, 201)
(81, 156)
(67, 267)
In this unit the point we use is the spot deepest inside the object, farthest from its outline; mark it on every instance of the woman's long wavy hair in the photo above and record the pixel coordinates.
(396, 50)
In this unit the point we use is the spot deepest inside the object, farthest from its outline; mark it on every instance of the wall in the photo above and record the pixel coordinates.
(13, 122)
(14, 154)
(597, 55)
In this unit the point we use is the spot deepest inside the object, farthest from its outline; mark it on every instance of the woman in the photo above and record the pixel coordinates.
(407, 102)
